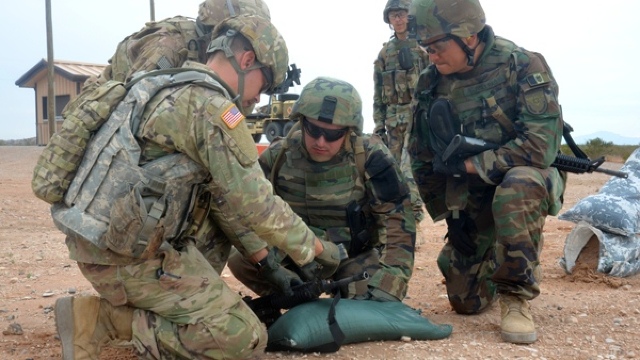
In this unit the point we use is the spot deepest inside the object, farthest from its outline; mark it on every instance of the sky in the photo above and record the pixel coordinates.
(589, 46)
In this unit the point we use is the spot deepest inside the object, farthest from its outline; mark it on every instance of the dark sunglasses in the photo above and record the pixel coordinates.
(316, 131)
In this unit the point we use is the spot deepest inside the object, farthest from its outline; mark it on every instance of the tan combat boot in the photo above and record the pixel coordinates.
(517, 324)
(86, 323)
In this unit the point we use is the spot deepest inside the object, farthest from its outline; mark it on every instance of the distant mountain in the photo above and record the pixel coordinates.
(607, 136)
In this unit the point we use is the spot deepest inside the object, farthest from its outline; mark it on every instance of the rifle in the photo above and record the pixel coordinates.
(293, 76)
(268, 308)
(465, 146)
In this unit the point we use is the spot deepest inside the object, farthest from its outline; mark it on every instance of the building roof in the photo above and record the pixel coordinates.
(72, 70)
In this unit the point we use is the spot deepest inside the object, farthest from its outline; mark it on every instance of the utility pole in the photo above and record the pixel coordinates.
(51, 95)
(152, 7)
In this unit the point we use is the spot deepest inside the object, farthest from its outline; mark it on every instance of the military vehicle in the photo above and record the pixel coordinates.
(272, 119)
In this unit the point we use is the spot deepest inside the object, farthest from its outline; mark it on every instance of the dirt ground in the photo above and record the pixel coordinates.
(580, 316)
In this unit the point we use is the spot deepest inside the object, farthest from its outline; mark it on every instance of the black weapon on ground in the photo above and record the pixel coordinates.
(465, 146)
(293, 76)
(268, 308)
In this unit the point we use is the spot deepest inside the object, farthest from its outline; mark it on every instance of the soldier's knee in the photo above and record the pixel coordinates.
(241, 335)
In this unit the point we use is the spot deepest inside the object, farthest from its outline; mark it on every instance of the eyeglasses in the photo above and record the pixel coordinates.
(437, 46)
(268, 80)
(329, 135)
(398, 15)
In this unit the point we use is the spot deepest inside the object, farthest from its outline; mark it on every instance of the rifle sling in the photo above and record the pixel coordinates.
(336, 333)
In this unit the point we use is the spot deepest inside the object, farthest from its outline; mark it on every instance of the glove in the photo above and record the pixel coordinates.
(272, 271)
(330, 258)
(376, 294)
(452, 167)
(383, 135)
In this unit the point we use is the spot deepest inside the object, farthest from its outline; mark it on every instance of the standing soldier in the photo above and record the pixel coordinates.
(495, 202)
(347, 187)
(395, 74)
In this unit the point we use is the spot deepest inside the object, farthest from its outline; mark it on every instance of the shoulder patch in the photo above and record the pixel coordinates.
(538, 79)
(536, 101)
(232, 116)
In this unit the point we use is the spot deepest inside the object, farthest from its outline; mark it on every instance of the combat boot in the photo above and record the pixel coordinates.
(517, 324)
(86, 323)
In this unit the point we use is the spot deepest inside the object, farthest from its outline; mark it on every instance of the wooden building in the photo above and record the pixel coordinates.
(69, 76)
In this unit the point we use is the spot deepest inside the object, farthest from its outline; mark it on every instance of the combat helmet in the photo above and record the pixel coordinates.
(330, 100)
(395, 5)
(437, 18)
(269, 46)
(212, 12)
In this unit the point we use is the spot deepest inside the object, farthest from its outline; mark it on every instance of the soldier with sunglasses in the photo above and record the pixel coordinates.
(347, 187)
(494, 202)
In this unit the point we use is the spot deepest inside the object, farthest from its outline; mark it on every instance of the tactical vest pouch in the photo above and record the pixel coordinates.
(60, 159)
(405, 58)
(156, 211)
(389, 95)
(403, 90)
(135, 229)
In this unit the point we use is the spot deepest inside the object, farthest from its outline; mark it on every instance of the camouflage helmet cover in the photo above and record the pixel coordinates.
(436, 18)
(268, 45)
(212, 12)
(395, 5)
(330, 100)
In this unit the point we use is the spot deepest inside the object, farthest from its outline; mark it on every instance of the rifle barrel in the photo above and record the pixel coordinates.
(619, 174)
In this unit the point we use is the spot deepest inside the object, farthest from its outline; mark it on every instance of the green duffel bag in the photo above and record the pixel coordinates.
(325, 324)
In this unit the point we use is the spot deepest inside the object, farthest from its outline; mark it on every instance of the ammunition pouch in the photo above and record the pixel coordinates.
(360, 236)
(405, 59)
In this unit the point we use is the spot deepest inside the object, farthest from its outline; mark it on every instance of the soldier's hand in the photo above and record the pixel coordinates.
(329, 258)
(276, 274)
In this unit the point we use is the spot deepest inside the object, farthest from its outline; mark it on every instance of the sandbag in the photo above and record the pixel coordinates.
(304, 328)
(616, 207)
(618, 255)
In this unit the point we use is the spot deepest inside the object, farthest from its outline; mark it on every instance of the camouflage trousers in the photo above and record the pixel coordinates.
(184, 309)
(398, 128)
(368, 261)
(506, 229)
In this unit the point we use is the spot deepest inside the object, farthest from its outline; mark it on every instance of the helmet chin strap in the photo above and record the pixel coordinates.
(467, 50)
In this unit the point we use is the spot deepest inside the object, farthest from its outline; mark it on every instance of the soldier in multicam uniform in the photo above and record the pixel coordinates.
(329, 173)
(494, 202)
(172, 303)
(395, 74)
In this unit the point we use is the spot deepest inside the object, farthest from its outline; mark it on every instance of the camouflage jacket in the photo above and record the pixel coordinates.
(394, 80)
(321, 192)
(206, 126)
(162, 44)
(510, 98)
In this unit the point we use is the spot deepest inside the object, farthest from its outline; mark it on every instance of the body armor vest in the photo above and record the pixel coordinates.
(163, 190)
(484, 110)
(402, 66)
(318, 192)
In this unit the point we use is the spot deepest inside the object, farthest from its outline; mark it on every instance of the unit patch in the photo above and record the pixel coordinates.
(536, 100)
(232, 116)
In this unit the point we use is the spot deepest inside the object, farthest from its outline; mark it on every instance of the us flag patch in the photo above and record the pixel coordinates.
(232, 117)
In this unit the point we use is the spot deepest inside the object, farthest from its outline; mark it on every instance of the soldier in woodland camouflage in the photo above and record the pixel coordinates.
(494, 202)
(395, 73)
(325, 166)
(169, 300)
